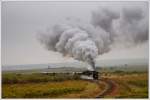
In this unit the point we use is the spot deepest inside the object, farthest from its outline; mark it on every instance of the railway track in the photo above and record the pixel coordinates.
(110, 86)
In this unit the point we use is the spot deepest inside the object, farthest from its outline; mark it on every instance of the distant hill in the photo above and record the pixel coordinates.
(121, 62)
(80, 65)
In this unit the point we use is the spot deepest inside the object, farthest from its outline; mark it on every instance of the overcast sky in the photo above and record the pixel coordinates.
(22, 20)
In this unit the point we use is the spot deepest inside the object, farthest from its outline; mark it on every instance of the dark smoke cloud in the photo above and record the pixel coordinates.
(103, 18)
(132, 25)
(84, 41)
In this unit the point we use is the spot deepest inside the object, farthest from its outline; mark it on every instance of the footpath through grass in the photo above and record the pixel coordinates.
(131, 85)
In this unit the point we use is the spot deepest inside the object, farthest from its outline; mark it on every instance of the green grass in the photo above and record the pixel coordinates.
(12, 78)
(42, 90)
(35, 85)
(131, 85)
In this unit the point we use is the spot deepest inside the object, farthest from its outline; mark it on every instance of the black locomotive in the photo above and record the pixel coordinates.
(90, 75)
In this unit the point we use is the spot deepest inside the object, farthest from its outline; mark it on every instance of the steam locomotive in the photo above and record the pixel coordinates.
(89, 75)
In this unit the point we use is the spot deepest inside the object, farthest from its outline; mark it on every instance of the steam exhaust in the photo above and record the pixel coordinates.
(85, 41)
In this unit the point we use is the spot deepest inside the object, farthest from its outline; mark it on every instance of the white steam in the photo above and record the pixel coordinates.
(84, 41)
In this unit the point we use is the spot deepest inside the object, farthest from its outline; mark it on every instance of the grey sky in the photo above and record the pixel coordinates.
(22, 20)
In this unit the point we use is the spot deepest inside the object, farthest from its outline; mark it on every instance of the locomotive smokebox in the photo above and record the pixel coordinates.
(89, 75)
(95, 75)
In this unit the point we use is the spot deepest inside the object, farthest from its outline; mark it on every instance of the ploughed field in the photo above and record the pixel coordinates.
(126, 84)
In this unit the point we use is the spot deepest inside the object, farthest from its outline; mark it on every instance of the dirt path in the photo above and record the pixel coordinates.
(110, 89)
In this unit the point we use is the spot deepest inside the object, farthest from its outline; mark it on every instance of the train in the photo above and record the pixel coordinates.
(89, 75)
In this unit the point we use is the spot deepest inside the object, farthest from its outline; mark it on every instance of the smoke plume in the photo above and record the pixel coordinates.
(84, 41)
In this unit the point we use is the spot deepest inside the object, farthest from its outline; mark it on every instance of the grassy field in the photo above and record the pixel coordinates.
(129, 84)
(47, 86)
(12, 78)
